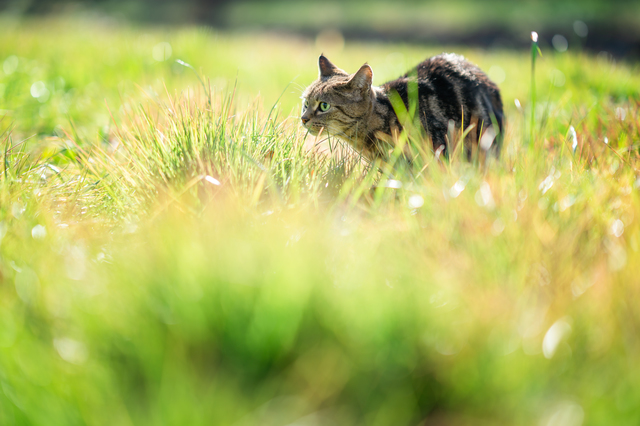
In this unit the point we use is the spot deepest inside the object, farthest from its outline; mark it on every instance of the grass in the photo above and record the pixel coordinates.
(430, 17)
(179, 255)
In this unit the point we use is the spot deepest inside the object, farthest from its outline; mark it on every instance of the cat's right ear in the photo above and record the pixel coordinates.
(363, 78)
(326, 68)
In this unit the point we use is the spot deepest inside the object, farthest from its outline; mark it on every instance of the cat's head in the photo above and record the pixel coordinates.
(337, 101)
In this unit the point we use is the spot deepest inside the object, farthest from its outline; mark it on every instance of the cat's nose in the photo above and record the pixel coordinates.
(304, 120)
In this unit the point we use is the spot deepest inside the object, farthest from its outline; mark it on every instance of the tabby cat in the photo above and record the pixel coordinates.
(450, 90)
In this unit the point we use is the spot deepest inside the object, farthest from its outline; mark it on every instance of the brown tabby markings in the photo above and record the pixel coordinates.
(450, 89)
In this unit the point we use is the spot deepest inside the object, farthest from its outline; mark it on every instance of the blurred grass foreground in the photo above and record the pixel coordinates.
(174, 250)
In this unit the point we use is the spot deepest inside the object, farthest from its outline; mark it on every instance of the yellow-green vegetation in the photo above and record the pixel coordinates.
(175, 252)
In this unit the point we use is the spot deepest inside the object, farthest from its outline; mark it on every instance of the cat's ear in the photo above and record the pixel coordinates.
(326, 68)
(363, 78)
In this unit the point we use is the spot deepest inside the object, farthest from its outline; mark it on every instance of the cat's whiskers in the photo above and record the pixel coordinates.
(298, 85)
(338, 133)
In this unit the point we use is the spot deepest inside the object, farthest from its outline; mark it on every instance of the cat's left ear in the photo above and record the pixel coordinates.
(326, 68)
(363, 78)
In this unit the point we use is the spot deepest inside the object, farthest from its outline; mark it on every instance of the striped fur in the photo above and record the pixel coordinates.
(451, 92)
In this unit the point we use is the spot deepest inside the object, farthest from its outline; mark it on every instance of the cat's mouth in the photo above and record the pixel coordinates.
(314, 128)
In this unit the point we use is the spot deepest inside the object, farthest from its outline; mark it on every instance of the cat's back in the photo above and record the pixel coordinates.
(450, 87)
(452, 67)
(446, 74)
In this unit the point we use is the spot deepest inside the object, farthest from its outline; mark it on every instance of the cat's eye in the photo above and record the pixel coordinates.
(324, 106)
(305, 104)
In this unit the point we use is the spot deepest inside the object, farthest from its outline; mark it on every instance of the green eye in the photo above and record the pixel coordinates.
(305, 104)
(324, 106)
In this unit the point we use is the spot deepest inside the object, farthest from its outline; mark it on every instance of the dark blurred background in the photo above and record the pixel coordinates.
(595, 25)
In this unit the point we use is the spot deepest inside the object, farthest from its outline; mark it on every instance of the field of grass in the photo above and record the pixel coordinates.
(430, 16)
(175, 251)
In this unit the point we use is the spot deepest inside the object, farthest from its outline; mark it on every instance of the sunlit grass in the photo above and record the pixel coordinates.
(191, 260)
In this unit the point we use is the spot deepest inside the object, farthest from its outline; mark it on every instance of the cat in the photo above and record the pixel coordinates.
(347, 106)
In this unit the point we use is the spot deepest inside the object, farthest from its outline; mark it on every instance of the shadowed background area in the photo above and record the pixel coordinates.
(611, 26)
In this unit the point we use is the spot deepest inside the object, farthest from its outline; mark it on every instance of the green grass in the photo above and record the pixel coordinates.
(430, 17)
(181, 255)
